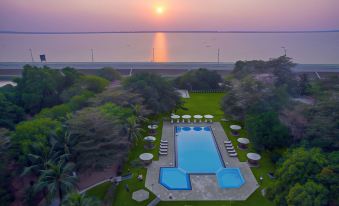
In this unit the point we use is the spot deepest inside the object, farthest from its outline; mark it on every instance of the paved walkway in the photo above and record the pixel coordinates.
(183, 93)
(204, 187)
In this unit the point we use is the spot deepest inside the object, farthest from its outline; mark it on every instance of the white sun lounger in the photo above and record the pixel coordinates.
(227, 142)
(230, 148)
(233, 154)
(231, 151)
(162, 153)
(163, 146)
(163, 141)
(163, 150)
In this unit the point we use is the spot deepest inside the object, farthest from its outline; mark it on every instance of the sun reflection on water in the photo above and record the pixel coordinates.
(160, 53)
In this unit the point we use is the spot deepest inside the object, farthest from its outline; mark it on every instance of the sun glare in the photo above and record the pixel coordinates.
(159, 10)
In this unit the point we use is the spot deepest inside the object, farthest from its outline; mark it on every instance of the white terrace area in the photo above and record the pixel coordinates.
(204, 187)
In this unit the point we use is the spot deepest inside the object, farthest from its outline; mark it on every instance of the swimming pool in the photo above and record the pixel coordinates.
(197, 153)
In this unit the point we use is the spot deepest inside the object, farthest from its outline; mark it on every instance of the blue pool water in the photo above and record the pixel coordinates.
(197, 153)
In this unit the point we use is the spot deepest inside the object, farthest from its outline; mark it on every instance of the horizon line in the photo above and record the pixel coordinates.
(170, 31)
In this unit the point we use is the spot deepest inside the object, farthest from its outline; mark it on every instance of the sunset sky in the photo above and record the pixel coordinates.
(133, 15)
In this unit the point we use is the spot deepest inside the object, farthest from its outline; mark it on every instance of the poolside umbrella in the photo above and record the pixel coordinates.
(146, 157)
(235, 129)
(174, 116)
(208, 117)
(253, 159)
(149, 142)
(152, 128)
(197, 117)
(186, 116)
(243, 142)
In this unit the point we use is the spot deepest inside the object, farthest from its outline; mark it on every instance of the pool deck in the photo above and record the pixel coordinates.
(204, 187)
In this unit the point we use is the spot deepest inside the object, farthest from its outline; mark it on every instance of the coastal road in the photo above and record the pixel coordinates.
(172, 68)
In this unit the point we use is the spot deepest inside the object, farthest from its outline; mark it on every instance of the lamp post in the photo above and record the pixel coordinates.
(30, 51)
(92, 55)
(285, 50)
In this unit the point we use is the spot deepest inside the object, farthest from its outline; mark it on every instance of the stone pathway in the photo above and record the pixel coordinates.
(204, 187)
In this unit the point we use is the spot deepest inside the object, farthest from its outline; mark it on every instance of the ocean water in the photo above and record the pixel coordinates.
(307, 48)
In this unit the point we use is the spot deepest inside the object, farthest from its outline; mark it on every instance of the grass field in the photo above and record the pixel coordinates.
(198, 104)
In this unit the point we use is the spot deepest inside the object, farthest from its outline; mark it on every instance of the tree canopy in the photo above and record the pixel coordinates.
(159, 95)
(299, 167)
(10, 113)
(109, 74)
(252, 96)
(266, 131)
(39, 88)
(310, 193)
(322, 128)
(200, 79)
(100, 141)
(35, 131)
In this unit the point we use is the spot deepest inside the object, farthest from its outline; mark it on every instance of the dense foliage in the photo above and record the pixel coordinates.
(35, 131)
(267, 132)
(322, 128)
(5, 194)
(283, 109)
(39, 88)
(159, 95)
(50, 145)
(299, 179)
(200, 79)
(10, 113)
(100, 140)
(259, 86)
(109, 73)
(252, 96)
(277, 71)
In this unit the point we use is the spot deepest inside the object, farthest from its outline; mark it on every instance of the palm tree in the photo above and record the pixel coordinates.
(39, 159)
(139, 113)
(64, 144)
(76, 199)
(133, 129)
(58, 180)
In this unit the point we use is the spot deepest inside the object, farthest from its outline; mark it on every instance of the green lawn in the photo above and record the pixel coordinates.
(99, 191)
(197, 104)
